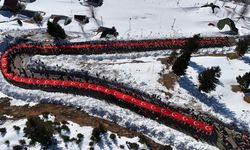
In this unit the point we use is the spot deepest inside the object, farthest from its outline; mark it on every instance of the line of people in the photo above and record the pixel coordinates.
(97, 80)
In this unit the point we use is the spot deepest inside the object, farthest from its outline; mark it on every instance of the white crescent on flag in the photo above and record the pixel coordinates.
(174, 114)
(143, 104)
(152, 107)
(208, 128)
(163, 110)
(196, 123)
(184, 118)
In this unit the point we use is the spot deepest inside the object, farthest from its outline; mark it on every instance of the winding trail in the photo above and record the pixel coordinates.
(18, 75)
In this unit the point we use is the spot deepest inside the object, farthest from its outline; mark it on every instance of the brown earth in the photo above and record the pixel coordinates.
(169, 80)
(247, 99)
(236, 88)
(166, 61)
(232, 56)
(70, 114)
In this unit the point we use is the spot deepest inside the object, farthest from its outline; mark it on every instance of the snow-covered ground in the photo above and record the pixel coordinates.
(140, 18)
(143, 72)
(14, 136)
(223, 100)
(126, 118)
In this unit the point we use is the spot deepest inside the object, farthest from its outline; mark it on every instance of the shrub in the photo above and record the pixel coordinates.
(122, 146)
(181, 64)
(58, 129)
(39, 131)
(56, 30)
(7, 142)
(244, 82)
(17, 147)
(79, 138)
(17, 128)
(91, 143)
(97, 132)
(102, 129)
(56, 123)
(64, 122)
(166, 147)
(22, 142)
(46, 115)
(209, 78)
(112, 137)
(3, 131)
(242, 47)
(133, 146)
(65, 138)
(143, 140)
(65, 127)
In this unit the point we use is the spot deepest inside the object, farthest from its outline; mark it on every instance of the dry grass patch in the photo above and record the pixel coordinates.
(137, 61)
(236, 88)
(232, 56)
(169, 80)
(247, 99)
(70, 114)
(165, 61)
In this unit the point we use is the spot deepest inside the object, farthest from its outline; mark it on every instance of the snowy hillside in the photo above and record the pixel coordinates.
(141, 18)
(72, 136)
(143, 73)
(134, 19)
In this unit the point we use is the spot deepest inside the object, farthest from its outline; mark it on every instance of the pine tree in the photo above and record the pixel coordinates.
(181, 64)
(39, 131)
(242, 47)
(56, 30)
(209, 78)
(20, 23)
(192, 45)
(244, 82)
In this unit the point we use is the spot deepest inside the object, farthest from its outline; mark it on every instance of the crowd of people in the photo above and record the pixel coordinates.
(84, 76)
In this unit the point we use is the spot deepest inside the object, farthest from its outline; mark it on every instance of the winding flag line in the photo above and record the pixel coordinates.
(94, 87)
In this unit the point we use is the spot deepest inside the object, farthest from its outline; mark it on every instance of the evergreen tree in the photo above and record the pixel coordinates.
(242, 47)
(244, 82)
(39, 131)
(20, 23)
(192, 45)
(56, 30)
(180, 65)
(209, 78)
(97, 132)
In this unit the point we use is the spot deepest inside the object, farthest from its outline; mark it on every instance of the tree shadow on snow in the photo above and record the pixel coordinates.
(188, 85)
(210, 101)
(246, 60)
(195, 66)
(200, 69)
(104, 141)
(6, 14)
